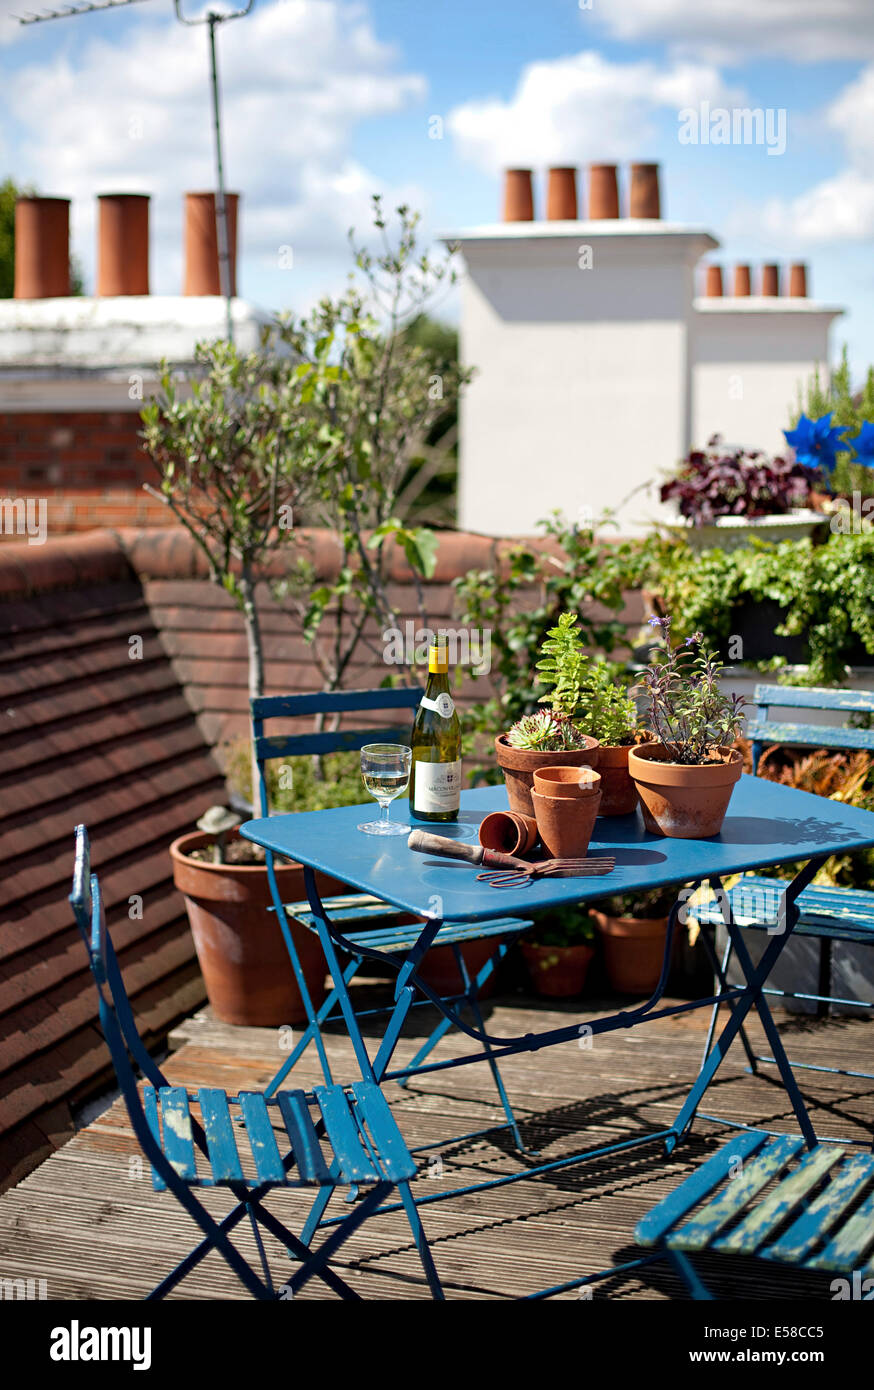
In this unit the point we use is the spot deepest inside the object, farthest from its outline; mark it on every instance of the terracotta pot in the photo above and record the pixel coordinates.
(508, 832)
(603, 191)
(770, 281)
(518, 196)
(557, 971)
(239, 944)
(618, 792)
(569, 782)
(644, 199)
(683, 802)
(798, 281)
(519, 765)
(440, 971)
(633, 951)
(561, 195)
(713, 282)
(566, 823)
(742, 283)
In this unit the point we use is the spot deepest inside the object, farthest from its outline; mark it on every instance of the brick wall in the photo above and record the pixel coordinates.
(89, 466)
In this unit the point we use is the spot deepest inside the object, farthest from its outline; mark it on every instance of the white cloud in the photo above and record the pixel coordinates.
(579, 108)
(134, 114)
(841, 207)
(734, 30)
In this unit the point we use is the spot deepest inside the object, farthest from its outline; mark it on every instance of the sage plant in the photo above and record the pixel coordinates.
(688, 713)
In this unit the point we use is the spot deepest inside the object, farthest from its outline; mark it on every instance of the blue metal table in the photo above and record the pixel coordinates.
(767, 824)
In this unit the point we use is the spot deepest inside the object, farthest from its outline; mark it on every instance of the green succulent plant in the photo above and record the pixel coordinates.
(545, 731)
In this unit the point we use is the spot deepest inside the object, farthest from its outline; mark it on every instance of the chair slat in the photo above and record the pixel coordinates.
(178, 1137)
(150, 1107)
(262, 1140)
(808, 735)
(219, 1129)
(813, 697)
(295, 1113)
(850, 1242)
(814, 1224)
(269, 746)
(780, 1204)
(698, 1233)
(398, 1163)
(335, 702)
(652, 1227)
(355, 1164)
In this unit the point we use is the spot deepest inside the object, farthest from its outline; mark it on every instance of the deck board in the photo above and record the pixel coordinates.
(89, 1223)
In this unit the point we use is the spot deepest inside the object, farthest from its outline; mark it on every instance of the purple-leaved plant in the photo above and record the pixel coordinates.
(724, 480)
(688, 713)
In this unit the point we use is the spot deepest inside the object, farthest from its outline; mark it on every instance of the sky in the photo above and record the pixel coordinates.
(328, 101)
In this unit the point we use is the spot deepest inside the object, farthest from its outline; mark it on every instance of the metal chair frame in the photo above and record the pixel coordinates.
(366, 1145)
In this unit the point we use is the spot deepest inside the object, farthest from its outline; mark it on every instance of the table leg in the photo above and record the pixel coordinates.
(755, 978)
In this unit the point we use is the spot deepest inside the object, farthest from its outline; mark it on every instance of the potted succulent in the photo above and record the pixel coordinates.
(591, 692)
(685, 777)
(558, 952)
(728, 494)
(632, 927)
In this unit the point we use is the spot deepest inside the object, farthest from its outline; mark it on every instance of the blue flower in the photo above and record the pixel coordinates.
(864, 445)
(816, 442)
(654, 622)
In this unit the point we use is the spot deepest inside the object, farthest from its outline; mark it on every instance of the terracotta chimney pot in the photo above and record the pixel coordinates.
(798, 281)
(42, 248)
(518, 196)
(713, 283)
(603, 192)
(742, 284)
(123, 244)
(561, 195)
(644, 198)
(201, 243)
(770, 281)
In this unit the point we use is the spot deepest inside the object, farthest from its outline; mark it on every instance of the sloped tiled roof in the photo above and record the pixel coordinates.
(89, 731)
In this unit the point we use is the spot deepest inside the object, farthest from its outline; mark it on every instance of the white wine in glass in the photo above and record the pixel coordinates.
(385, 770)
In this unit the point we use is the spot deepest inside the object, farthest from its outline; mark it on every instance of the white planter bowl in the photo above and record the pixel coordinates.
(734, 532)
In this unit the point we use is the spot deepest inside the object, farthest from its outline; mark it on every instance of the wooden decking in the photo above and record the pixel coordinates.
(89, 1223)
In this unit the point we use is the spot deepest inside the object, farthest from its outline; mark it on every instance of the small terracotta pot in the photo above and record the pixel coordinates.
(439, 969)
(683, 802)
(566, 823)
(570, 782)
(634, 949)
(508, 832)
(557, 971)
(618, 793)
(242, 955)
(519, 765)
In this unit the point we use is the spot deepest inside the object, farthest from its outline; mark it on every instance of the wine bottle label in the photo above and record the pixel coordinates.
(437, 786)
(443, 705)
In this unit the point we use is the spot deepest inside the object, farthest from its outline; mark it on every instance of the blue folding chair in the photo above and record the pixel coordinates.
(764, 1196)
(355, 910)
(352, 1141)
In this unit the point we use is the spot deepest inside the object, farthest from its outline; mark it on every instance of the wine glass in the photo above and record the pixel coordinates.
(385, 768)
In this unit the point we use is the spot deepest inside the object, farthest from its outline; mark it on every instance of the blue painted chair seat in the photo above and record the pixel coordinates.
(365, 1143)
(843, 914)
(391, 938)
(770, 1197)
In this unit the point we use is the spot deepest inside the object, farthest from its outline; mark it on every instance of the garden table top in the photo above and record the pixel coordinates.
(766, 824)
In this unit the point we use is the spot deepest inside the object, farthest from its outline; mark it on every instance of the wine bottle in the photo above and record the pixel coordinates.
(435, 775)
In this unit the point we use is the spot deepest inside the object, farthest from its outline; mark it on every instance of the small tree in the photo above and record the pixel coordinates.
(378, 394)
(237, 452)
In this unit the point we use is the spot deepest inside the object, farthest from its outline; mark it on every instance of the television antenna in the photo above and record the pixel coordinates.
(212, 19)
